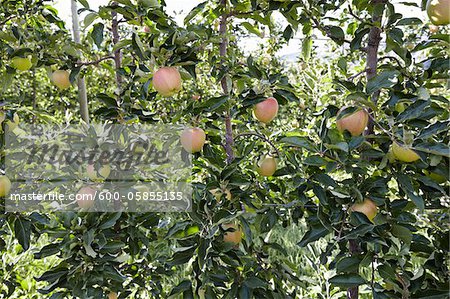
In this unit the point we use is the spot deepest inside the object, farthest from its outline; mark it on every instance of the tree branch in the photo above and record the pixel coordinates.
(356, 75)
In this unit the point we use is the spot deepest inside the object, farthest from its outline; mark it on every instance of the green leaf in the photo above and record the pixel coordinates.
(387, 272)
(97, 34)
(360, 231)
(252, 28)
(321, 195)
(409, 21)
(402, 233)
(22, 230)
(413, 111)
(109, 220)
(405, 183)
(385, 79)
(48, 250)
(90, 18)
(306, 48)
(288, 33)
(194, 12)
(347, 280)
(315, 233)
(138, 46)
(255, 282)
(183, 286)
(436, 149)
(348, 264)
(244, 292)
(84, 3)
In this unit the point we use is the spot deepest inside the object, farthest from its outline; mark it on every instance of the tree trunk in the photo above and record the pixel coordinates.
(82, 93)
(223, 53)
(373, 44)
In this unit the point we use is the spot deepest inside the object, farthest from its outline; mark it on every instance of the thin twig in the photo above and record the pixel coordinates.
(325, 29)
(95, 62)
(381, 127)
(261, 137)
(350, 10)
(392, 58)
(6, 20)
(356, 75)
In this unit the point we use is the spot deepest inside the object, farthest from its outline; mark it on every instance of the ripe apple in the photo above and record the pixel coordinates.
(355, 122)
(266, 110)
(86, 197)
(433, 29)
(112, 295)
(403, 153)
(196, 97)
(233, 237)
(21, 64)
(367, 207)
(439, 11)
(267, 166)
(102, 173)
(61, 79)
(5, 185)
(193, 139)
(218, 193)
(167, 81)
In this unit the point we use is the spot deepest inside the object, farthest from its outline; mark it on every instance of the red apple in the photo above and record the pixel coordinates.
(266, 110)
(355, 122)
(193, 139)
(439, 11)
(167, 81)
